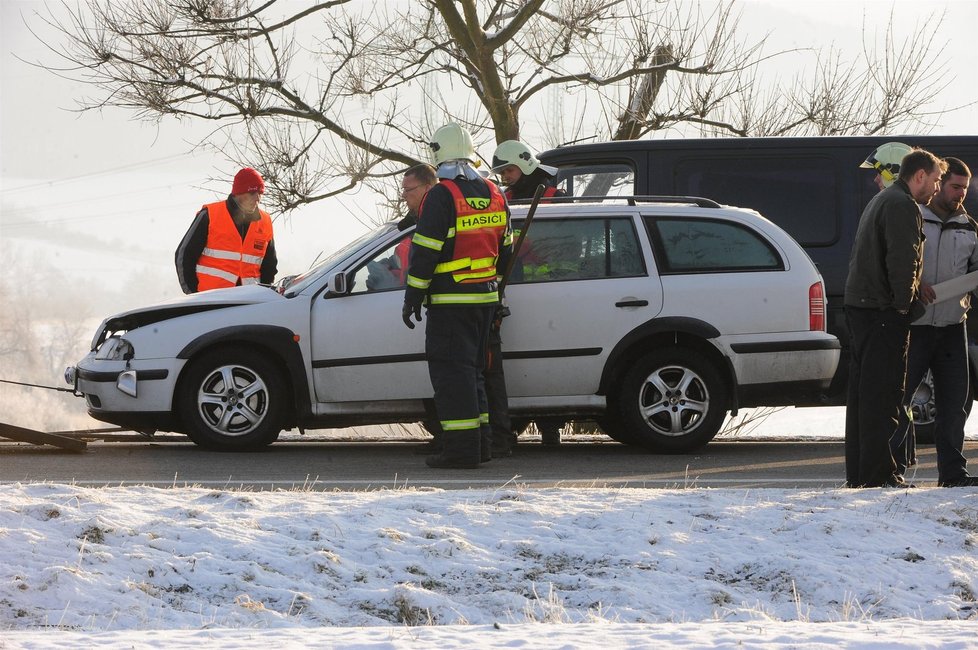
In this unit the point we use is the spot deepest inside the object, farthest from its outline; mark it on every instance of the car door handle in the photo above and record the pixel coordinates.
(632, 303)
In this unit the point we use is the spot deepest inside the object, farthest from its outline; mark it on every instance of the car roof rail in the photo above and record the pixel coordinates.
(631, 200)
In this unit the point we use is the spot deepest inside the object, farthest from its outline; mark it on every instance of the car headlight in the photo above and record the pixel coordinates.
(115, 349)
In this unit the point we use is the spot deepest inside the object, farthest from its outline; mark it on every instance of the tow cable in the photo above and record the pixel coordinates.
(34, 437)
(21, 383)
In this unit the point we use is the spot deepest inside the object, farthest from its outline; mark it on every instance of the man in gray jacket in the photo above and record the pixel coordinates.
(882, 286)
(938, 339)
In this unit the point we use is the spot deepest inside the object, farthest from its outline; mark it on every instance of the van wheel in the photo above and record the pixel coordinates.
(233, 400)
(672, 400)
(925, 412)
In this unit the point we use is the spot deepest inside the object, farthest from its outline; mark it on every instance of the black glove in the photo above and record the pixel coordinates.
(406, 310)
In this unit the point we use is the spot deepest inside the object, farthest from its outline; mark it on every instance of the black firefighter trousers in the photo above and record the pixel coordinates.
(455, 346)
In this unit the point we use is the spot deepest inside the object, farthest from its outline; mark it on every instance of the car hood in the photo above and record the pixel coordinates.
(192, 304)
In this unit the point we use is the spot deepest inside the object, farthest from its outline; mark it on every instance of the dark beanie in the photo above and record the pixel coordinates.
(248, 180)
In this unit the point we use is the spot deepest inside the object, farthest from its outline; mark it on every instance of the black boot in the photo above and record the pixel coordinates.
(460, 450)
(485, 439)
(963, 481)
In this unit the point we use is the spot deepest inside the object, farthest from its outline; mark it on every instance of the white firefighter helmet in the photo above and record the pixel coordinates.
(514, 152)
(451, 142)
(886, 161)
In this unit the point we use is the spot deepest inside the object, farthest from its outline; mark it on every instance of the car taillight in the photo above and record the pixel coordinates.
(816, 308)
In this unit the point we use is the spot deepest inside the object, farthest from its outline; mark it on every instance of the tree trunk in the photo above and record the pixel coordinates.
(640, 102)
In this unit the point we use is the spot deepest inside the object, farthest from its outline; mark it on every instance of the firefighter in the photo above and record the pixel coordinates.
(521, 172)
(886, 159)
(230, 242)
(463, 236)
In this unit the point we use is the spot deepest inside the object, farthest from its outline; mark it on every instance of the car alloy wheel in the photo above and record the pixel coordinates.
(233, 399)
(672, 400)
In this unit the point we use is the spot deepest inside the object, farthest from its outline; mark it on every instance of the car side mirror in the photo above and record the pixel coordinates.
(337, 284)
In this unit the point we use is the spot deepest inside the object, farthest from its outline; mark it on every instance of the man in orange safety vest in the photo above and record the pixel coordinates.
(230, 242)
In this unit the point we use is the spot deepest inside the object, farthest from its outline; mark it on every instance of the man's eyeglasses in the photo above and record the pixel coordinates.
(406, 190)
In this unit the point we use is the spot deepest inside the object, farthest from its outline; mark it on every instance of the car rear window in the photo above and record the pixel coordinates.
(578, 249)
(685, 245)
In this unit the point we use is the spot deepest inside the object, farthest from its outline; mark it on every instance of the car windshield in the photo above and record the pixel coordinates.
(303, 280)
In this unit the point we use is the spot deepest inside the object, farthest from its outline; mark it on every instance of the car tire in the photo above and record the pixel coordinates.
(672, 400)
(244, 417)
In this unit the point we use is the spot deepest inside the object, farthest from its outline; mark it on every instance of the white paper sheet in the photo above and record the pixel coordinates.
(956, 287)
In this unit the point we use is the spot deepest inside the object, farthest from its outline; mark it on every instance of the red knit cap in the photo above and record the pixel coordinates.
(248, 180)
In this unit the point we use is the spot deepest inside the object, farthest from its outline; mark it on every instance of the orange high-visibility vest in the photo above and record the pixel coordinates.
(479, 227)
(227, 259)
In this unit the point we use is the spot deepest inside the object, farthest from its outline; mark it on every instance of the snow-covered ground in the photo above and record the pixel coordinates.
(506, 567)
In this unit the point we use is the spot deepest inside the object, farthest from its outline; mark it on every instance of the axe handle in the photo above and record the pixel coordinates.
(537, 195)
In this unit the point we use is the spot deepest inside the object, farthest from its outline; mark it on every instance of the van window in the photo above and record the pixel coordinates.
(598, 180)
(798, 194)
(578, 249)
(709, 246)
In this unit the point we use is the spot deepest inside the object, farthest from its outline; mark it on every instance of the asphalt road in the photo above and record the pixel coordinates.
(375, 465)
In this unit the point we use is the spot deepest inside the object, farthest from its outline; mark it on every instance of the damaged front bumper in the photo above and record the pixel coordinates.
(133, 393)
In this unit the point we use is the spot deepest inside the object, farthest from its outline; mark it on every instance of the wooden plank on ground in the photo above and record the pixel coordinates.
(40, 438)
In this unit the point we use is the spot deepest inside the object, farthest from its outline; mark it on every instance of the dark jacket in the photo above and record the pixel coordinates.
(527, 185)
(195, 240)
(887, 255)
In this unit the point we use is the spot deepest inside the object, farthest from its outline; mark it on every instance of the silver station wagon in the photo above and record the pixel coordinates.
(654, 316)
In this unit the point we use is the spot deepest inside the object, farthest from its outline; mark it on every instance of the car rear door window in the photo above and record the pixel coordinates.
(578, 249)
(684, 245)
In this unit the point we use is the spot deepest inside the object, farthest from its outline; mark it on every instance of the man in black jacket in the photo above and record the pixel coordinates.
(881, 300)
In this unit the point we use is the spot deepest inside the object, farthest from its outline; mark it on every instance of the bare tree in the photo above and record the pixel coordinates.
(346, 92)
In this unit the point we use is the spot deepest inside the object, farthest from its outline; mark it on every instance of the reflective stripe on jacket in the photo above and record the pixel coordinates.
(227, 259)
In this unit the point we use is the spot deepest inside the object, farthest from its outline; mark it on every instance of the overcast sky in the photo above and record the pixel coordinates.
(110, 197)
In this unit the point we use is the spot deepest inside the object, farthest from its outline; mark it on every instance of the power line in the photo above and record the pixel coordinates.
(41, 207)
(104, 215)
(114, 170)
